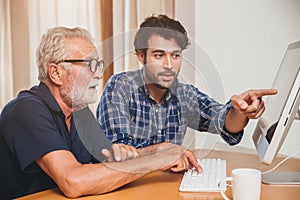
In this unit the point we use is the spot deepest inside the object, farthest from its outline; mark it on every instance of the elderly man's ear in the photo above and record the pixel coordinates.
(54, 73)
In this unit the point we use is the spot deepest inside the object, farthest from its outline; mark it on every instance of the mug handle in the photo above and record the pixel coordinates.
(220, 183)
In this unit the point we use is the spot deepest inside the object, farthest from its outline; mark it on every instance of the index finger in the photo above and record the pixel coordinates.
(107, 155)
(116, 152)
(263, 92)
(192, 159)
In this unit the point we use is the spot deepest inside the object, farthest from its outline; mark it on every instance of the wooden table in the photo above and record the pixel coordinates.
(164, 185)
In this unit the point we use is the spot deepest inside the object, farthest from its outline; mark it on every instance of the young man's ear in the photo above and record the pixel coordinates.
(140, 55)
(54, 72)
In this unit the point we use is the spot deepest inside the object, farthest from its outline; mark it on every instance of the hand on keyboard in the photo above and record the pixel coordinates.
(185, 161)
(214, 170)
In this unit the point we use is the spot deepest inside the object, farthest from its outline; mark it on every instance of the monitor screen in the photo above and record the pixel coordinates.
(274, 124)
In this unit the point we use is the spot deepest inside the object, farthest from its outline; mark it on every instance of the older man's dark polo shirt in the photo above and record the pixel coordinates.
(31, 126)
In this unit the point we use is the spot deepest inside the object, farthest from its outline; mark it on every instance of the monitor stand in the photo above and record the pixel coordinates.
(281, 178)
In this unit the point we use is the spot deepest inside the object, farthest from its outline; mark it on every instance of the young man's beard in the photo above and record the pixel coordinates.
(160, 86)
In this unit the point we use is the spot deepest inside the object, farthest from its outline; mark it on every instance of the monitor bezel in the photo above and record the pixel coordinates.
(268, 151)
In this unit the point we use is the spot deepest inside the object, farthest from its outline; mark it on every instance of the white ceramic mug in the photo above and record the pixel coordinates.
(245, 183)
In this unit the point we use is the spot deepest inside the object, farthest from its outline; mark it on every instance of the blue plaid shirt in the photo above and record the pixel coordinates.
(129, 115)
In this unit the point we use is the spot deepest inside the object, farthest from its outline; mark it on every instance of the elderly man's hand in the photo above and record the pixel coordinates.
(119, 152)
(184, 159)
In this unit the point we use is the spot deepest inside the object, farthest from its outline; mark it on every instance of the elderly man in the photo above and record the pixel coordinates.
(40, 147)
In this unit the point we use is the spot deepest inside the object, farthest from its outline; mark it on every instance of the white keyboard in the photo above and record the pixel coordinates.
(214, 170)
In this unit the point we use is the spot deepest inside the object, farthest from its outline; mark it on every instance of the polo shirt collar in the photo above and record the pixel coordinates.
(48, 98)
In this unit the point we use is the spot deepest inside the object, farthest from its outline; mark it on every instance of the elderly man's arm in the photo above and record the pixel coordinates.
(76, 179)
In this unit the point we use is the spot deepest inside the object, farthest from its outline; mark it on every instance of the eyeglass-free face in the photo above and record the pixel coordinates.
(162, 63)
(92, 63)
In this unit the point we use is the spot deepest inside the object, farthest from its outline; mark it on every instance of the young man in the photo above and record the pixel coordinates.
(150, 106)
(40, 147)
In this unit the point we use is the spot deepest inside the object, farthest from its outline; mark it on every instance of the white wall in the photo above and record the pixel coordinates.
(246, 41)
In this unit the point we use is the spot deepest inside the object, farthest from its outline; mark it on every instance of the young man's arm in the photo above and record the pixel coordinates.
(248, 105)
(113, 116)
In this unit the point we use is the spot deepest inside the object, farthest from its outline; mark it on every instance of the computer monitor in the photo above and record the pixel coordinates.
(281, 110)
